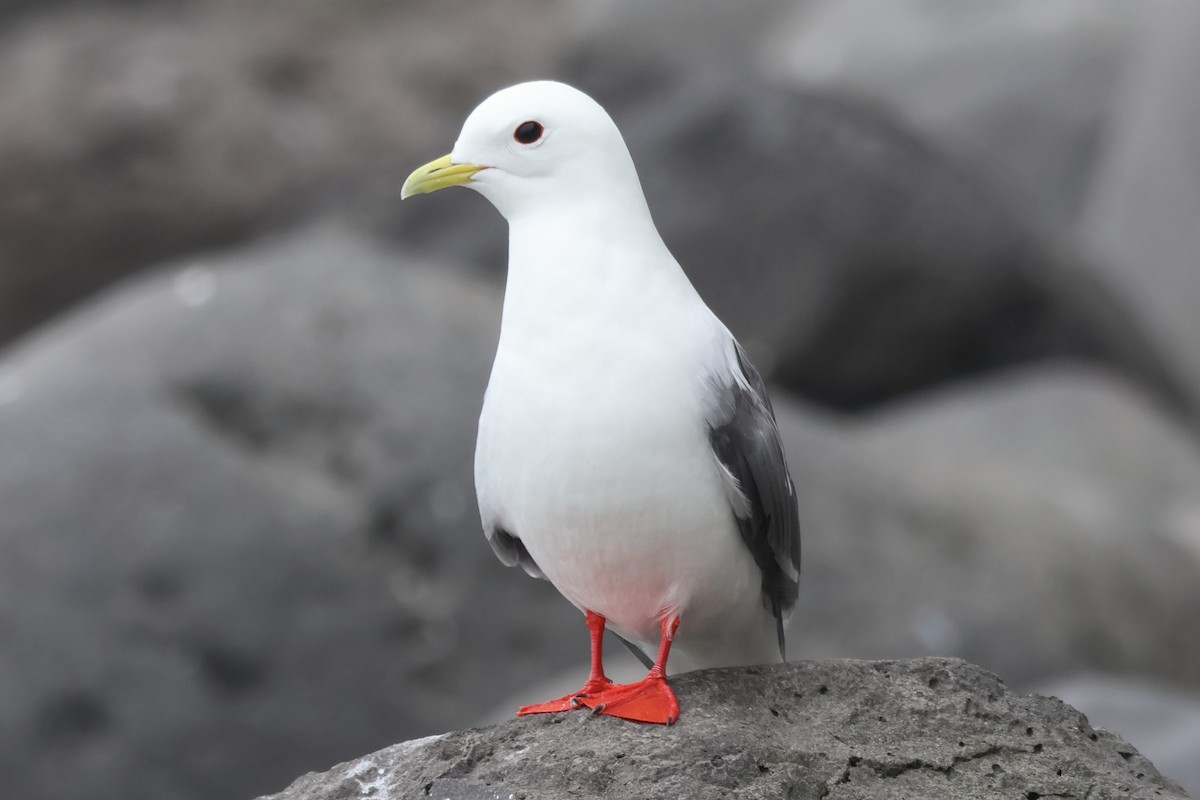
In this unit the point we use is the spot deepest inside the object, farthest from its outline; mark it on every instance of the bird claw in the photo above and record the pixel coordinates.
(569, 702)
(648, 700)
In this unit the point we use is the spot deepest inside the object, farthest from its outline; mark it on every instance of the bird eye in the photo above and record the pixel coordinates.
(528, 132)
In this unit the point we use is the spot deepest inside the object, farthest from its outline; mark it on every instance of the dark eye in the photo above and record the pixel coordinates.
(528, 132)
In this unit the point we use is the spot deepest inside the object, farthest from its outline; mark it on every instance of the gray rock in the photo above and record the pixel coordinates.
(239, 538)
(1165, 722)
(1021, 92)
(935, 728)
(681, 31)
(239, 534)
(1141, 221)
(135, 131)
(16, 11)
(1043, 523)
(1095, 447)
(855, 263)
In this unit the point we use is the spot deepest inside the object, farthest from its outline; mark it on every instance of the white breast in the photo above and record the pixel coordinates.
(593, 450)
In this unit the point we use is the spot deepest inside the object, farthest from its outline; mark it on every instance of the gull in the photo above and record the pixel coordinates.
(627, 450)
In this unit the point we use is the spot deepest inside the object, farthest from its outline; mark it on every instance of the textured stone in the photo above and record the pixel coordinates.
(138, 130)
(263, 554)
(1097, 448)
(15, 11)
(1164, 721)
(930, 728)
(685, 32)
(1042, 523)
(1021, 92)
(1141, 220)
(239, 534)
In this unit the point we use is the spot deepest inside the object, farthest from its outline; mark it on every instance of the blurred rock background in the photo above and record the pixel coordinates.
(239, 382)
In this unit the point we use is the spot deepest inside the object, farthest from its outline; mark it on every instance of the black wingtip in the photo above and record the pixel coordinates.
(647, 662)
(778, 612)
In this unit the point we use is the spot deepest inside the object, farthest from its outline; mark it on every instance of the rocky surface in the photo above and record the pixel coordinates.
(1023, 91)
(139, 130)
(1035, 525)
(1086, 442)
(239, 534)
(1078, 113)
(931, 728)
(1140, 221)
(1164, 721)
(240, 491)
(238, 539)
(680, 32)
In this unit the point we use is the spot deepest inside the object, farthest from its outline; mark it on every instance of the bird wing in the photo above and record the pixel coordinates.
(510, 550)
(745, 440)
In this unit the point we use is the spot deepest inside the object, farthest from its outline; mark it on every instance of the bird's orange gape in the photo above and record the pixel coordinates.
(649, 700)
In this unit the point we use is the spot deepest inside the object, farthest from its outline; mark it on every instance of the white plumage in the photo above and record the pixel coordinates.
(593, 448)
(599, 462)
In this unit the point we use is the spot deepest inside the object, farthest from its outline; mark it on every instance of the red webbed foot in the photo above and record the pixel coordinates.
(596, 684)
(569, 702)
(649, 700)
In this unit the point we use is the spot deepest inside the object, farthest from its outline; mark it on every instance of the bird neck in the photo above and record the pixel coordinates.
(574, 264)
(587, 242)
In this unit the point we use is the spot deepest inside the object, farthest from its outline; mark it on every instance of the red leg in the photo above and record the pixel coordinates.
(648, 700)
(597, 682)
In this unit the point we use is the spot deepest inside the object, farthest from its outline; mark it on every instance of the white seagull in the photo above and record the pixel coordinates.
(627, 450)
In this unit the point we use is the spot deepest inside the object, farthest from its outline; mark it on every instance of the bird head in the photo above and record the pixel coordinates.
(535, 146)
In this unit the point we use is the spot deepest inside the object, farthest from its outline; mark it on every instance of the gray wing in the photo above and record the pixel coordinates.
(745, 440)
(510, 549)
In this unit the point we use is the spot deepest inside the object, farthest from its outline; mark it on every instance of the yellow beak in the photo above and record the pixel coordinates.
(436, 175)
